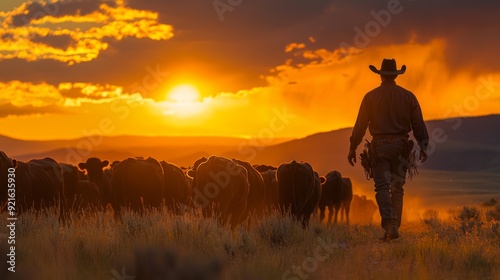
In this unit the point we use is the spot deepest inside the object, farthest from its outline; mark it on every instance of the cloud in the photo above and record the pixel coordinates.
(27, 94)
(62, 42)
(91, 91)
(25, 97)
(9, 110)
(35, 11)
(74, 31)
(292, 46)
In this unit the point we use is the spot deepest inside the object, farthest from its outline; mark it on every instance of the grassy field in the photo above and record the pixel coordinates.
(94, 246)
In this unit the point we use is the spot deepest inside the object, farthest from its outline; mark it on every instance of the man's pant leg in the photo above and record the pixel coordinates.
(382, 178)
(398, 176)
(397, 193)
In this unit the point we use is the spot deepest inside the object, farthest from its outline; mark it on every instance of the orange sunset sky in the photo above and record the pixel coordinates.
(235, 68)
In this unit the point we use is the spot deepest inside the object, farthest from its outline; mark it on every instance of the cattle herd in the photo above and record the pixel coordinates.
(226, 189)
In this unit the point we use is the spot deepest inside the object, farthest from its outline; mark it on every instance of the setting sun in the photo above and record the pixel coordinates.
(184, 93)
(183, 100)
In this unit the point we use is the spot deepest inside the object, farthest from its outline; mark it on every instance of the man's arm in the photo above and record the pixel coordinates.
(361, 124)
(419, 128)
(359, 130)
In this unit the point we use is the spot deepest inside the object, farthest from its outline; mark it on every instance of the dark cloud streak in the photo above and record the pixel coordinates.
(59, 42)
(37, 10)
(7, 110)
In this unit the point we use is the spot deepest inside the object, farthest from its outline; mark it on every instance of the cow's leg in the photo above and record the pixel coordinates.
(337, 208)
(63, 212)
(330, 214)
(118, 214)
(117, 208)
(304, 218)
(142, 206)
(347, 210)
(321, 213)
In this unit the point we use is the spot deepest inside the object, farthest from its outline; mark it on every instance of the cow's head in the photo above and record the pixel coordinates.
(192, 171)
(93, 166)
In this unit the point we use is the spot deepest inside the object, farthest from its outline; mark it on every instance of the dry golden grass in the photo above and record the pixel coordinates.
(94, 246)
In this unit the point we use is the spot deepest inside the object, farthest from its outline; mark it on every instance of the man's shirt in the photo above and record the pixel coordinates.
(390, 110)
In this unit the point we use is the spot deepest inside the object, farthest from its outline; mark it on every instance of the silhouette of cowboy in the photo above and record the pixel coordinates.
(390, 112)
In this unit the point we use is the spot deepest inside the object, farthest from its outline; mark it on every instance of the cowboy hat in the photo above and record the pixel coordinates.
(388, 68)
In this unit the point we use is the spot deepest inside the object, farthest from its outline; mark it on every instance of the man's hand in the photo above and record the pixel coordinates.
(423, 156)
(351, 157)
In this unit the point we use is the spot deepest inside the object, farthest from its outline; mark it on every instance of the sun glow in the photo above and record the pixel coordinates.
(184, 93)
(183, 100)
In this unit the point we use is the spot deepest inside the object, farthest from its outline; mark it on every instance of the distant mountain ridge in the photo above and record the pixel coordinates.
(465, 144)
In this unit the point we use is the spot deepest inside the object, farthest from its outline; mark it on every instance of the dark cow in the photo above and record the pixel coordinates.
(138, 184)
(345, 206)
(191, 173)
(88, 195)
(363, 209)
(186, 170)
(331, 196)
(298, 190)
(220, 188)
(38, 183)
(79, 192)
(318, 180)
(257, 193)
(177, 190)
(336, 195)
(99, 176)
(271, 183)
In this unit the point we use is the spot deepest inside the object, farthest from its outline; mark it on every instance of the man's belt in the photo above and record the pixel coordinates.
(390, 138)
